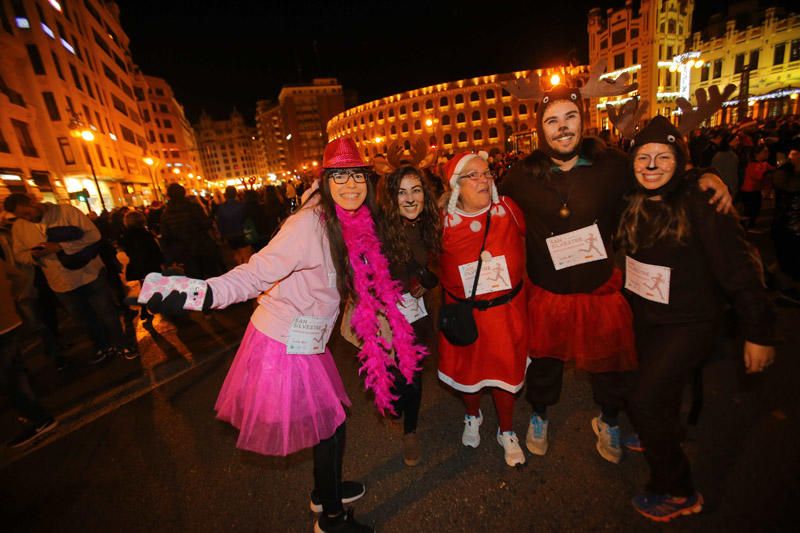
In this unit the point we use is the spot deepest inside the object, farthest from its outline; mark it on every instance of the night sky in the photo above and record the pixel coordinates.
(218, 54)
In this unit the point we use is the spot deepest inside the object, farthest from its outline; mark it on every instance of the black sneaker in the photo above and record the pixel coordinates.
(351, 491)
(343, 522)
(127, 353)
(32, 432)
(101, 355)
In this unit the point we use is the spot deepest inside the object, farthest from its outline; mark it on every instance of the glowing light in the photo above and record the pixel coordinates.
(191, 175)
(614, 74)
(148, 161)
(555, 79)
(56, 5)
(48, 31)
(87, 135)
(673, 67)
(176, 171)
(289, 137)
(10, 177)
(23, 23)
(690, 63)
(429, 123)
(377, 140)
(113, 137)
(314, 164)
(68, 46)
(699, 63)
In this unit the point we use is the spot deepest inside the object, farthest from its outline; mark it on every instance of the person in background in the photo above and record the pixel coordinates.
(755, 178)
(142, 250)
(230, 222)
(65, 243)
(185, 238)
(682, 259)
(786, 225)
(726, 162)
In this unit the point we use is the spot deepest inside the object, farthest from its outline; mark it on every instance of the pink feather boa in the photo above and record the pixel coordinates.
(376, 292)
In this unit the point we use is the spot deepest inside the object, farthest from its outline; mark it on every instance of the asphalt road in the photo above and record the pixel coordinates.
(163, 463)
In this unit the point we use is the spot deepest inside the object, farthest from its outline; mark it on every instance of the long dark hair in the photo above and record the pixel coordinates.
(390, 223)
(327, 208)
(644, 222)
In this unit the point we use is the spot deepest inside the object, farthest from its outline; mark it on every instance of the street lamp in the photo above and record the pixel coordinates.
(149, 161)
(79, 130)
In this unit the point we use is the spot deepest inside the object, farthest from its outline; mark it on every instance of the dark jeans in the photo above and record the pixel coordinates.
(35, 324)
(751, 203)
(668, 355)
(409, 399)
(93, 305)
(545, 377)
(328, 457)
(15, 380)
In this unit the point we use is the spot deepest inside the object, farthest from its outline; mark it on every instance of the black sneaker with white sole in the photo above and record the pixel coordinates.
(32, 432)
(344, 522)
(351, 491)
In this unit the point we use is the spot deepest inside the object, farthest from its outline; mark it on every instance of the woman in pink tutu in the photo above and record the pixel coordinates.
(283, 391)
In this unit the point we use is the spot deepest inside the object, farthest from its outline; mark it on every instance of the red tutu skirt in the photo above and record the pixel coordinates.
(593, 329)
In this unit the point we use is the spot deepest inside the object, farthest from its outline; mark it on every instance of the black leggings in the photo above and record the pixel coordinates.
(668, 355)
(409, 398)
(328, 456)
(544, 380)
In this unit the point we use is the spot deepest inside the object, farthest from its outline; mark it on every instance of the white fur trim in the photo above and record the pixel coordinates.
(508, 387)
(451, 205)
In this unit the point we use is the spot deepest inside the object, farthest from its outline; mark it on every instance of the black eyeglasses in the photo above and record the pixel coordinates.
(340, 178)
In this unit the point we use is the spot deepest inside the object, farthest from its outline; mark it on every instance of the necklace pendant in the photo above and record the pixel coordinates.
(564, 212)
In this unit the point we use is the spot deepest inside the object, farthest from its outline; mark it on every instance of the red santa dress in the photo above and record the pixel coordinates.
(499, 357)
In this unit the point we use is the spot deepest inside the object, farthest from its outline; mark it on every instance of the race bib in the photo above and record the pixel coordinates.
(648, 281)
(412, 308)
(576, 247)
(307, 335)
(494, 276)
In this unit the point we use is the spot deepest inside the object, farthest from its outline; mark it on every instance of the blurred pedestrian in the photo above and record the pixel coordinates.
(230, 222)
(142, 250)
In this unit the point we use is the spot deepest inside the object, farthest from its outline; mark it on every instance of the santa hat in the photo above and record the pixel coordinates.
(452, 172)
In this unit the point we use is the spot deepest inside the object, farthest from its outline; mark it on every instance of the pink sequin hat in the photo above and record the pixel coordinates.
(342, 153)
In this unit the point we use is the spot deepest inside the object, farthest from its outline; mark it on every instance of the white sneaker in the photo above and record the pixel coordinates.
(471, 435)
(607, 440)
(536, 439)
(510, 443)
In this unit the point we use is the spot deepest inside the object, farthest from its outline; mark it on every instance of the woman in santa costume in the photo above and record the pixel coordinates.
(283, 391)
(497, 359)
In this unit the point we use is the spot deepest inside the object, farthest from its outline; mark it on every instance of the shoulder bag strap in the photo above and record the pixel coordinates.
(480, 254)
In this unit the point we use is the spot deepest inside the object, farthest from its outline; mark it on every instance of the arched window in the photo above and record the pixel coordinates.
(507, 111)
(460, 118)
(523, 109)
(362, 120)
(459, 98)
(448, 139)
(474, 96)
(391, 112)
(507, 131)
(394, 129)
(443, 102)
(504, 93)
(428, 104)
(445, 120)
(491, 113)
(371, 117)
(405, 127)
(489, 93)
(417, 125)
(476, 115)
(407, 145)
(380, 115)
(493, 133)
(477, 135)
(415, 107)
(432, 141)
(366, 153)
(402, 110)
(462, 137)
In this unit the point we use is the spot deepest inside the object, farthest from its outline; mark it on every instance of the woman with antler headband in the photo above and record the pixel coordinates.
(679, 253)
(410, 227)
(571, 191)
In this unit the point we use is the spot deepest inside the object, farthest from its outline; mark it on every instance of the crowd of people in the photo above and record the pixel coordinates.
(620, 262)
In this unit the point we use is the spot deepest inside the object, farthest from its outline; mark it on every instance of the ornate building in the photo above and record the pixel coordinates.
(68, 112)
(474, 113)
(271, 136)
(229, 150)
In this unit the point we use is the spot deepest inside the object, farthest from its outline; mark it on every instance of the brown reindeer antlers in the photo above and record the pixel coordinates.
(707, 104)
(525, 88)
(628, 116)
(420, 156)
(596, 88)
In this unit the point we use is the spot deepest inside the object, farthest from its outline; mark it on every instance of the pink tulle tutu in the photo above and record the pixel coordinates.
(280, 402)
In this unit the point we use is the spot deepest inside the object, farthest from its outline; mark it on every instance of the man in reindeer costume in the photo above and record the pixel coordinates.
(571, 190)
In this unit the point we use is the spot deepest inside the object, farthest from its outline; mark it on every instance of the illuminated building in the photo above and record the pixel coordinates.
(60, 58)
(767, 43)
(229, 150)
(271, 136)
(645, 43)
(305, 110)
(474, 113)
(170, 137)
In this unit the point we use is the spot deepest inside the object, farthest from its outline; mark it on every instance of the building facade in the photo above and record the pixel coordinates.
(475, 113)
(763, 45)
(305, 112)
(66, 69)
(229, 150)
(173, 155)
(649, 43)
(271, 136)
